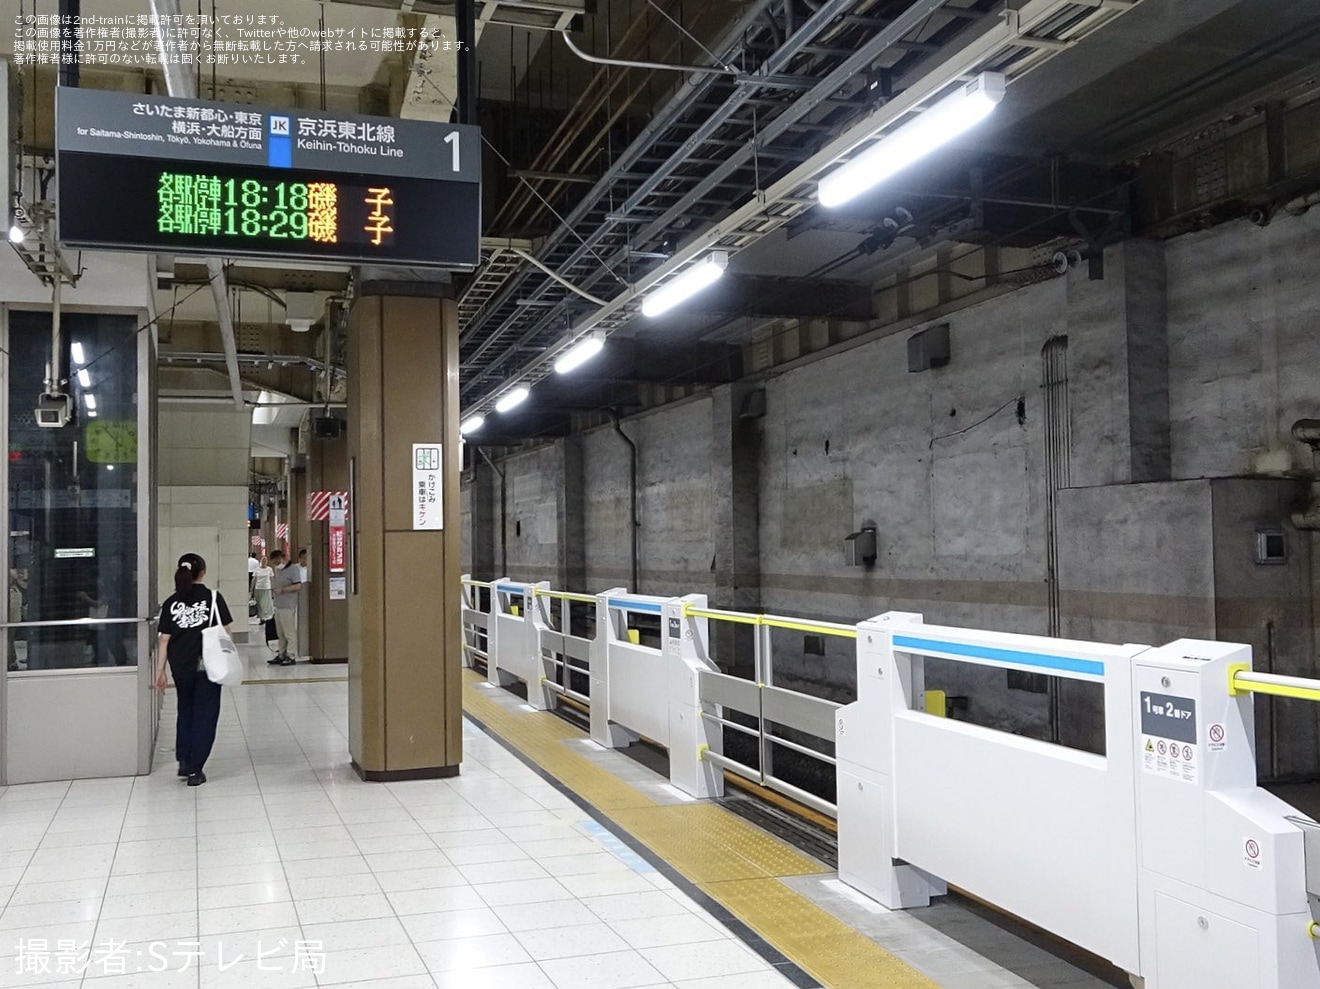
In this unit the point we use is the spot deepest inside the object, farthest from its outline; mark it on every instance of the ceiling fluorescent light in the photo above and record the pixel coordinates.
(15, 234)
(682, 287)
(84, 378)
(512, 400)
(76, 352)
(90, 399)
(471, 425)
(581, 352)
(929, 130)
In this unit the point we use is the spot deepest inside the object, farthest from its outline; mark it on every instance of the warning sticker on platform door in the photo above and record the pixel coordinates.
(1251, 853)
(1169, 742)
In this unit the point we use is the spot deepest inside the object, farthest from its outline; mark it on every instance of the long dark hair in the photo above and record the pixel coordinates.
(191, 568)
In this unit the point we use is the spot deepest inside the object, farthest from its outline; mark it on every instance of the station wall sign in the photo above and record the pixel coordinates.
(176, 176)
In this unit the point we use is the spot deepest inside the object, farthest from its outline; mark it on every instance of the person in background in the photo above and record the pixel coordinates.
(253, 567)
(183, 616)
(18, 582)
(288, 578)
(263, 583)
(105, 602)
(302, 564)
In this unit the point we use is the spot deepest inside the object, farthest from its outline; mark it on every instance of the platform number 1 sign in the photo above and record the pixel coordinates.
(427, 487)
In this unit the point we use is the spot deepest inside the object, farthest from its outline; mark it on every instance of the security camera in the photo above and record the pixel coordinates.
(54, 411)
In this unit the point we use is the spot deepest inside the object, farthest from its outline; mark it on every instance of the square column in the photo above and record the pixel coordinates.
(404, 655)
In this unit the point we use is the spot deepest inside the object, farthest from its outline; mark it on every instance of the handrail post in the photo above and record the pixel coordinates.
(535, 622)
(603, 731)
(685, 650)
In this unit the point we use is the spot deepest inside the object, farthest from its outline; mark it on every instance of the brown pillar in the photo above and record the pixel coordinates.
(327, 626)
(404, 687)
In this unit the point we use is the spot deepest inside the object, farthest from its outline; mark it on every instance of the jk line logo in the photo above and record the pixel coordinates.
(279, 126)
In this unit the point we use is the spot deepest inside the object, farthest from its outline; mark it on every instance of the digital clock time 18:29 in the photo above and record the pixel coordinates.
(201, 204)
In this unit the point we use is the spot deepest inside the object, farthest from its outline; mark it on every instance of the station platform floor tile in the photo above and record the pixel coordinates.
(565, 867)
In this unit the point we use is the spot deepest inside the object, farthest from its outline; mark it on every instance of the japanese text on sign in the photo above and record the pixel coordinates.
(428, 503)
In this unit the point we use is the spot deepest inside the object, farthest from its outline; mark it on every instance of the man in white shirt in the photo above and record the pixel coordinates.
(288, 578)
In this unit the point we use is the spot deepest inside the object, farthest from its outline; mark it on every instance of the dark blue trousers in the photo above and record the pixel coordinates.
(199, 713)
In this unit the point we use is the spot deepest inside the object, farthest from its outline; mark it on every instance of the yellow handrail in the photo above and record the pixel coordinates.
(540, 592)
(773, 621)
(469, 582)
(1242, 680)
(736, 617)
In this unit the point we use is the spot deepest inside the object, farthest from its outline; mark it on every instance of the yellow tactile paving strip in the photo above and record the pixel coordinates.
(735, 863)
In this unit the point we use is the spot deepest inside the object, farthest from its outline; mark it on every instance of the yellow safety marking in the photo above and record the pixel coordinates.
(731, 860)
(937, 703)
(773, 621)
(514, 610)
(635, 636)
(1237, 687)
(815, 628)
(1313, 929)
(541, 592)
(827, 948)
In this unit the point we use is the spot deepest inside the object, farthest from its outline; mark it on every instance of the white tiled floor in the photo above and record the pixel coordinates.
(486, 880)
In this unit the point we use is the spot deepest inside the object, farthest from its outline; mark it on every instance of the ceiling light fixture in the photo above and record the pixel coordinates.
(84, 378)
(15, 234)
(76, 352)
(471, 425)
(931, 129)
(512, 400)
(90, 399)
(581, 352)
(683, 287)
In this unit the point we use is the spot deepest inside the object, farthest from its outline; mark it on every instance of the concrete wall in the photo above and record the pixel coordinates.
(202, 497)
(1189, 360)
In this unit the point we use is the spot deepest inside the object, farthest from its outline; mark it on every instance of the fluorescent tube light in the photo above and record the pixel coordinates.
(471, 425)
(581, 352)
(683, 287)
(931, 129)
(90, 399)
(15, 234)
(512, 400)
(84, 378)
(76, 351)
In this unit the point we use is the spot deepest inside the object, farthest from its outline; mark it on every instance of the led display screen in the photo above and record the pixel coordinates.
(176, 176)
(266, 212)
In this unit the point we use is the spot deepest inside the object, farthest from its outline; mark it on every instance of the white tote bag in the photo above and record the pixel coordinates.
(220, 656)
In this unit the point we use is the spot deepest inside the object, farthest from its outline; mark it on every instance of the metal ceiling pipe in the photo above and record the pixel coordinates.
(819, 22)
(597, 98)
(669, 114)
(180, 83)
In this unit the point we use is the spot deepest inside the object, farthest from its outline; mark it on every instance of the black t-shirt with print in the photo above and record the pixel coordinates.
(182, 618)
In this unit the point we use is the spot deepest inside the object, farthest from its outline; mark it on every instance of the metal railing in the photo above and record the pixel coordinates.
(771, 706)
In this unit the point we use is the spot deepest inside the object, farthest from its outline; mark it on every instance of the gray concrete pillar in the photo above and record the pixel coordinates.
(1145, 300)
(736, 430)
(572, 510)
(482, 519)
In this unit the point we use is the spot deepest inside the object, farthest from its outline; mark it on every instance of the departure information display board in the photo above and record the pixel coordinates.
(187, 176)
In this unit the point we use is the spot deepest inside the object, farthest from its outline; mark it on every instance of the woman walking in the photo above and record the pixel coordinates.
(191, 608)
